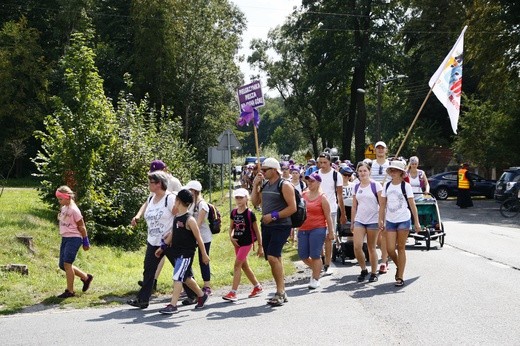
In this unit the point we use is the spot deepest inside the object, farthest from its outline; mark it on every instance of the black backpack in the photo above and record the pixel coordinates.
(300, 215)
(214, 219)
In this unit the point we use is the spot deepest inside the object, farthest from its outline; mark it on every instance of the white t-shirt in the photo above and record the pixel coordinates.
(348, 192)
(159, 218)
(374, 171)
(396, 204)
(205, 232)
(328, 187)
(367, 211)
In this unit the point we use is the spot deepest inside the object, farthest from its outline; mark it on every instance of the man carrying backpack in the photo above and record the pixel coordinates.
(332, 186)
(278, 204)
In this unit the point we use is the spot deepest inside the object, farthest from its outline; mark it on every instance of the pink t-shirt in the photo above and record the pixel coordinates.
(69, 216)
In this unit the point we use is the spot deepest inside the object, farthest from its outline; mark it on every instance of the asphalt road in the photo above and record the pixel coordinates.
(466, 293)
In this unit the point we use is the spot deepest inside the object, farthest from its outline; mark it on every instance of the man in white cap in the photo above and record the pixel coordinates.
(378, 173)
(278, 204)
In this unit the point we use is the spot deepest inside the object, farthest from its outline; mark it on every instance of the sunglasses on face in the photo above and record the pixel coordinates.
(265, 169)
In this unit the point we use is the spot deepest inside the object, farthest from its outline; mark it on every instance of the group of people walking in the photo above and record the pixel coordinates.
(374, 198)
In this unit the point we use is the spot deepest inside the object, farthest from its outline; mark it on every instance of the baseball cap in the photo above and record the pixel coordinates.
(157, 165)
(194, 185)
(380, 143)
(271, 162)
(241, 192)
(313, 176)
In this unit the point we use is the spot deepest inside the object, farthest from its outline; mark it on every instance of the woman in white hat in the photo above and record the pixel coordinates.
(397, 205)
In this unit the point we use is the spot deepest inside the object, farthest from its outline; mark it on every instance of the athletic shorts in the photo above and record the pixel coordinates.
(398, 226)
(182, 270)
(241, 252)
(69, 249)
(274, 238)
(367, 226)
(311, 242)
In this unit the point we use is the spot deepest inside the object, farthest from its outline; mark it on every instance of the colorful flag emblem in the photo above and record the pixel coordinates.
(446, 82)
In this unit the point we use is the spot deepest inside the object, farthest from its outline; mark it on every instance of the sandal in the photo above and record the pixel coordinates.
(396, 270)
(278, 299)
(399, 282)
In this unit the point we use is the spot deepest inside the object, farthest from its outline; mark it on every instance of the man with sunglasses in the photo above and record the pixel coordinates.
(378, 173)
(278, 204)
(332, 186)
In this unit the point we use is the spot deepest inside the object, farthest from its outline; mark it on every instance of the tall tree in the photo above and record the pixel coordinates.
(23, 88)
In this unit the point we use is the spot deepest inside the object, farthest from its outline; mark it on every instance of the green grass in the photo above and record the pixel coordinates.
(115, 271)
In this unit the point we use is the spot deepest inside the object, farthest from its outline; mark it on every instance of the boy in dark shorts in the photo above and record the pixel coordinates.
(181, 244)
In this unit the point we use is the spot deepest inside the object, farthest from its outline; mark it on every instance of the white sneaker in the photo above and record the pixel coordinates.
(328, 272)
(313, 284)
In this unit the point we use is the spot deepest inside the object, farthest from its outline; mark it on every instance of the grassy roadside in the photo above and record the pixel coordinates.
(115, 271)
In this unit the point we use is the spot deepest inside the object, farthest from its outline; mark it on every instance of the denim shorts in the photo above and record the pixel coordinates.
(311, 242)
(367, 226)
(69, 249)
(274, 238)
(398, 226)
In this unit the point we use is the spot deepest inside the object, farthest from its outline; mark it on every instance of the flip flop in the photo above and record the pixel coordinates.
(399, 282)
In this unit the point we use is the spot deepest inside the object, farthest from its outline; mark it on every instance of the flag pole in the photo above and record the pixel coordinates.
(413, 122)
(257, 149)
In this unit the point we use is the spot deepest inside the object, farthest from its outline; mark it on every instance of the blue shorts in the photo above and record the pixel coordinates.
(274, 238)
(310, 243)
(398, 226)
(182, 269)
(367, 226)
(69, 249)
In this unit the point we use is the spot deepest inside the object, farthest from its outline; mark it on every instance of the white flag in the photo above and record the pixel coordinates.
(446, 82)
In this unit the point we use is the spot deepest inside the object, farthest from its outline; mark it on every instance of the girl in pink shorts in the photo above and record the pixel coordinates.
(243, 232)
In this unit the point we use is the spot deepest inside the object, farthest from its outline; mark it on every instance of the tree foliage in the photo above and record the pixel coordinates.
(102, 153)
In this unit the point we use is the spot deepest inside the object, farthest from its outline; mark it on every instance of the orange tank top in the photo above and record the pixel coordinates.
(315, 216)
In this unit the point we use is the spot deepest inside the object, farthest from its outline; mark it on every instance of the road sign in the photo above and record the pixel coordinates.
(227, 140)
(370, 152)
(218, 157)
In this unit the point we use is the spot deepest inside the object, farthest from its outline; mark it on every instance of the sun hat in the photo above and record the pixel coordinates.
(414, 159)
(313, 176)
(241, 192)
(185, 196)
(194, 185)
(397, 164)
(271, 162)
(157, 165)
(380, 143)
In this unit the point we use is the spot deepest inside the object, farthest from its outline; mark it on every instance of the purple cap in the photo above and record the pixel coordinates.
(157, 165)
(314, 176)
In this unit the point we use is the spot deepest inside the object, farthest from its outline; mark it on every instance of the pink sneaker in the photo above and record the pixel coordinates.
(231, 296)
(256, 291)
(382, 268)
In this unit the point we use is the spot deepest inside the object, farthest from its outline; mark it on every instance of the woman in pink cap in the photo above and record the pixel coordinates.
(73, 235)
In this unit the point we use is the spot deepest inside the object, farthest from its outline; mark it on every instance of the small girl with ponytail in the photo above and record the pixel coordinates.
(73, 235)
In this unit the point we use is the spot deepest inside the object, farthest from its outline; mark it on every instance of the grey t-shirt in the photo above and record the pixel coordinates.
(272, 200)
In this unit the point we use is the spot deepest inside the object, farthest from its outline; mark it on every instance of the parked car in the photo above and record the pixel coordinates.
(506, 183)
(443, 185)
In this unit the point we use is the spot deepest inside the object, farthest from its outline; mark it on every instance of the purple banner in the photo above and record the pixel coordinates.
(250, 94)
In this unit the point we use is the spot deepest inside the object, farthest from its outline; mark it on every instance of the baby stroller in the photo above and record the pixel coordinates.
(344, 248)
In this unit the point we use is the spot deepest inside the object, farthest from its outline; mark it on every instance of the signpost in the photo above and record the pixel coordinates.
(227, 141)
